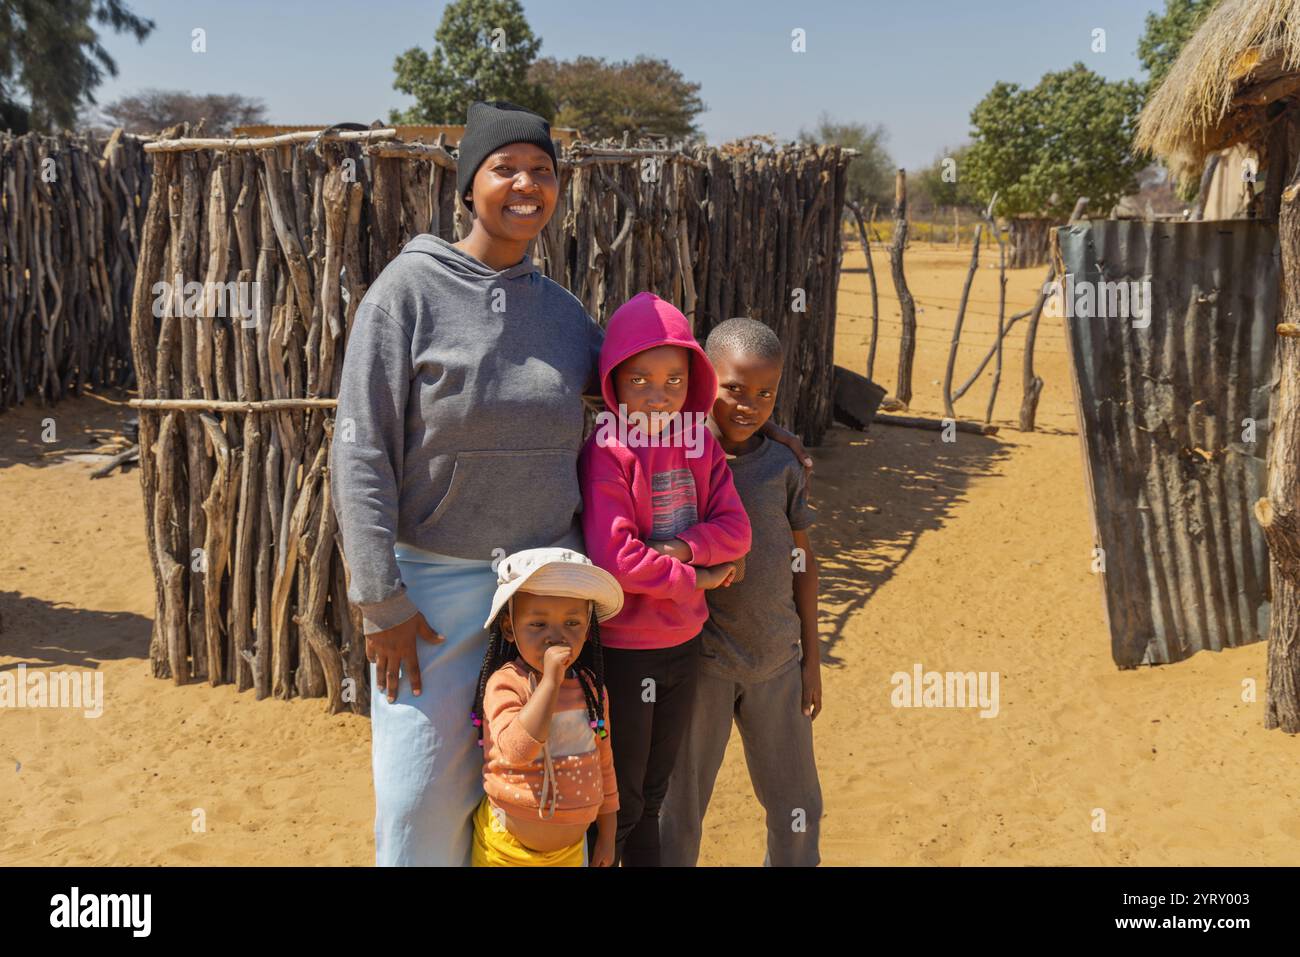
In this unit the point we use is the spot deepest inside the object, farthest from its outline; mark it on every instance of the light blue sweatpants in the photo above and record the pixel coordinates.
(427, 764)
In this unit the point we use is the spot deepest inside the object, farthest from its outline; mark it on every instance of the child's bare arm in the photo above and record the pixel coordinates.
(678, 549)
(672, 547)
(790, 441)
(805, 603)
(602, 855)
(716, 576)
(706, 576)
(535, 715)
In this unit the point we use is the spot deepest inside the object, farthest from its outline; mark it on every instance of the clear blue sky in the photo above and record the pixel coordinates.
(917, 66)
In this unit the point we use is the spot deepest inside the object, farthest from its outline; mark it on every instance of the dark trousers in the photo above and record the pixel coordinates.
(651, 694)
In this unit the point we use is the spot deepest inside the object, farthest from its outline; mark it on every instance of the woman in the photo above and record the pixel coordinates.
(459, 422)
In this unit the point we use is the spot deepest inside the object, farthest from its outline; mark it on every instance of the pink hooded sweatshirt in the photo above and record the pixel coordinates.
(636, 492)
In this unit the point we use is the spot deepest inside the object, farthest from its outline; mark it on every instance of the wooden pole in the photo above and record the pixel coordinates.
(989, 356)
(265, 142)
(1278, 514)
(1002, 310)
(871, 276)
(907, 343)
(1031, 383)
(230, 405)
(956, 328)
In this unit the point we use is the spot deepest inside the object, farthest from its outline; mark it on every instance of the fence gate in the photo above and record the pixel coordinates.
(1173, 403)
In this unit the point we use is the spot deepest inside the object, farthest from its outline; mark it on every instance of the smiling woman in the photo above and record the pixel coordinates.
(464, 376)
(506, 173)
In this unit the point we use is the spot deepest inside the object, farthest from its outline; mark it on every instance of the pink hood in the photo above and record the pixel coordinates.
(644, 322)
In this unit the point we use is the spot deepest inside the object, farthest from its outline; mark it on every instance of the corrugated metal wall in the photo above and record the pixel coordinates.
(1163, 410)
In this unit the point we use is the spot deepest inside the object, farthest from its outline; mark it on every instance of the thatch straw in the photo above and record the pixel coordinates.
(1242, 59)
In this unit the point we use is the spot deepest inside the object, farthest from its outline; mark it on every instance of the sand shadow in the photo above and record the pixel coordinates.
(42, 633)
(38, 436)
(876, 493)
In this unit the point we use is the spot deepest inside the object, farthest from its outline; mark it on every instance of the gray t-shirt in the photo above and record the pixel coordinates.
(753, 629)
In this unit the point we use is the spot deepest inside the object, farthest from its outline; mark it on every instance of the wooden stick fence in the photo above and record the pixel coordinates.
(70, 220)
(1031, 383)
(236, 404)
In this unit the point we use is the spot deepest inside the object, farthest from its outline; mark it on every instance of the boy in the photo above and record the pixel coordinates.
(759, 661)
(661, 514)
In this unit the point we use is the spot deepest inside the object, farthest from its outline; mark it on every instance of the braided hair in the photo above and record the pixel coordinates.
(589, 668)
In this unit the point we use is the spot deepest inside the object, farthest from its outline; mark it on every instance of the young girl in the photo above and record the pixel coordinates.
(542, 711)
(661, 513)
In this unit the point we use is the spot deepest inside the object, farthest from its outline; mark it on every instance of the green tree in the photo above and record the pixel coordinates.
(1042, 148)
(644, 96)
(1165, 34)
(944, 182)
(51, 59)
(483, 50)
(871, 174)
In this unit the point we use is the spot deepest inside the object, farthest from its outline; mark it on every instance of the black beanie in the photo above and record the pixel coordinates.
(491, 125)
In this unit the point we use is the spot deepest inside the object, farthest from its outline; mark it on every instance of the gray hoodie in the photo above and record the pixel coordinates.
(459, 419)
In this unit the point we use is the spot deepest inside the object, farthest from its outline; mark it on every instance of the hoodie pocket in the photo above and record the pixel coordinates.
(507, 498)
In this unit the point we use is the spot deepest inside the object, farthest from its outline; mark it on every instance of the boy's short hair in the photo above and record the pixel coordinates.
(747, 337)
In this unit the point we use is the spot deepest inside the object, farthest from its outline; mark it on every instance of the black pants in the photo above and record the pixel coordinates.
(650, 698)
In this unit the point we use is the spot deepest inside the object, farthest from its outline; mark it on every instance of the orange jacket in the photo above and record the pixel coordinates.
(514, 763)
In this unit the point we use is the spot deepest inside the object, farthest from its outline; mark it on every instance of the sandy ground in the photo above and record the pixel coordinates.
(966, 556)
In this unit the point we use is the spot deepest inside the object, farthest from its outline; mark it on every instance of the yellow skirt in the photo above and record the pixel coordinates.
(494, 846)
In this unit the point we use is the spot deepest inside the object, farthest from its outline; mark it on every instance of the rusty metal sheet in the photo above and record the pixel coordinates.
(1173, 404)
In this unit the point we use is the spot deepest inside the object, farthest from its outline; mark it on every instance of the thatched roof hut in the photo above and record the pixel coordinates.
(1235, 78)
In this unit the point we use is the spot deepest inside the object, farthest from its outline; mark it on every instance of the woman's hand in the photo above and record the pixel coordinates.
(394, 649)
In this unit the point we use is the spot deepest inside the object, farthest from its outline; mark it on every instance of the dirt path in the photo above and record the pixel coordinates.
(970, 556)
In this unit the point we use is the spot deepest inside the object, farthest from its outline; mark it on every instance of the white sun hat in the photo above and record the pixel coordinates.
(556, 571)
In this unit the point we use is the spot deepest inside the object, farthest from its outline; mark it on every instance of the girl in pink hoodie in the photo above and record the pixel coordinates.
(661, 514)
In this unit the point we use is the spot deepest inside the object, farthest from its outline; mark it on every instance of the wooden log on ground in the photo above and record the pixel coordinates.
(936, 425)
(129, 455)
